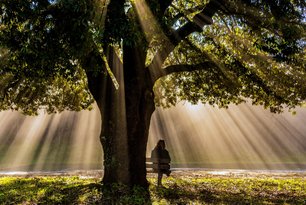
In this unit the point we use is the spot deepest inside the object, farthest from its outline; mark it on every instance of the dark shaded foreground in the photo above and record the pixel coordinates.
(183, 187)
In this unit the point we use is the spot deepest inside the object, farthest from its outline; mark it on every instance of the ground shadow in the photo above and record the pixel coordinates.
(178, 195)
(67, 190)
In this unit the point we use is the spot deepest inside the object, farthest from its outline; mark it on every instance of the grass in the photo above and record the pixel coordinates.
(228, 190)
(178, 189)
(48, 190)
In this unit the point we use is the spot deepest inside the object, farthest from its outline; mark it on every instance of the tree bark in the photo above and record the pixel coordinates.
(114, 131)
(125, 114)
(113, 134)
(139, 100)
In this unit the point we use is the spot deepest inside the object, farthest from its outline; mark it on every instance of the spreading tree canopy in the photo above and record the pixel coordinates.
(61, 54)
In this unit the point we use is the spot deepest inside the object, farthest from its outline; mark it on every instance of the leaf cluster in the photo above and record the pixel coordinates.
(42, 43)
(42, 38)
(253, 53)
(54, 94)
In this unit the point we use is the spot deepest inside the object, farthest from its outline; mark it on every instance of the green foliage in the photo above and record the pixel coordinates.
(43, 39)
(206, 189)
(52, 94)
(257, 49)
(257, 54)
(41, 45)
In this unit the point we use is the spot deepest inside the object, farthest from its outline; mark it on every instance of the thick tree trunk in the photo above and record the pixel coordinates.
(125, 112)
(139, 101)
(113, 134)
(113, 131)
(138, 130)
(126, 115)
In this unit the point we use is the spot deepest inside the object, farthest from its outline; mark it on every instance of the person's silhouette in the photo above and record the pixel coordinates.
(161, 158)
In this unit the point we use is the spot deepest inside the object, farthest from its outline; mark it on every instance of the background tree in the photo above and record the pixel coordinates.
(130, 56)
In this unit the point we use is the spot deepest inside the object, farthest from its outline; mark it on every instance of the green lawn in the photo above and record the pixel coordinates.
(178, 189)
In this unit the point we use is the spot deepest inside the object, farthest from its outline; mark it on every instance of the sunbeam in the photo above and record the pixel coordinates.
(50, 142)
(242, 137)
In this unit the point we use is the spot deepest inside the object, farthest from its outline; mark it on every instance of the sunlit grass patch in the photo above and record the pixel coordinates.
(178, 189)
(230, 190)
(48, 190)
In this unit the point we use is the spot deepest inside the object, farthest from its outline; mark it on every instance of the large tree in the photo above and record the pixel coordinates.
(131, 56)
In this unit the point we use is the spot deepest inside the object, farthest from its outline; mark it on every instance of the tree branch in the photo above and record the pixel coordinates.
(183, 68)
(176, 36)
(159, 6)
(164, 4)
(250, 75)
(185, 13)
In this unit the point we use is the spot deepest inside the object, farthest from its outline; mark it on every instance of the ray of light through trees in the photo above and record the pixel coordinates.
(197, 136)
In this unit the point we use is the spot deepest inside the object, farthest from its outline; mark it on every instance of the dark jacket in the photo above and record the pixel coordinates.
(161, 157)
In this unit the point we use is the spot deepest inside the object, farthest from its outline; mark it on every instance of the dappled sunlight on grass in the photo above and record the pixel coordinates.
(210, 189)
(48, 190)
(180, 188)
